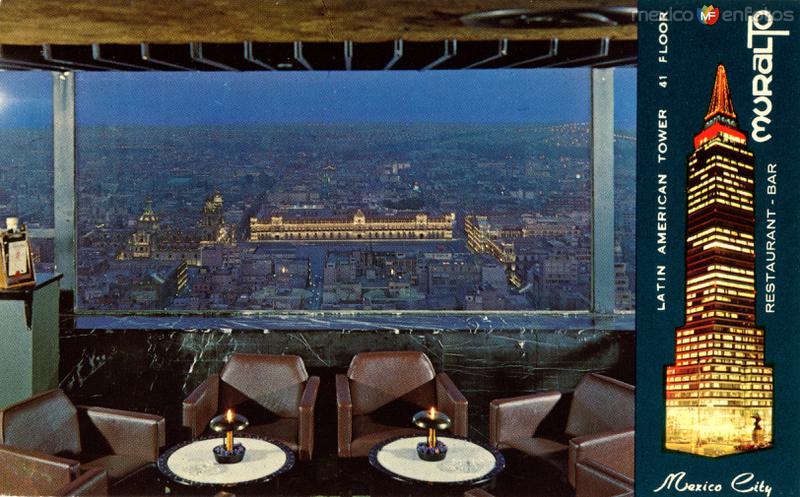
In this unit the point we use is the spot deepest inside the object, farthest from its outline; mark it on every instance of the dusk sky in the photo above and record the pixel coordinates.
(158, 98)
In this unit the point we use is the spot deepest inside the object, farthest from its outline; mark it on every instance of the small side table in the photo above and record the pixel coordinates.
(29, 339)
(193, 464)
(467, 462)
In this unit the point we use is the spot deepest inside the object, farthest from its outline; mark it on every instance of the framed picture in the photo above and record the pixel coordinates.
(17, 261)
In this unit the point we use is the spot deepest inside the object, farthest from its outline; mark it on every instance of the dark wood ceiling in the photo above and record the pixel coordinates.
(82, 22)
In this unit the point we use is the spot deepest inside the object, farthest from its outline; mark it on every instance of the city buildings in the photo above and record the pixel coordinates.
(525, 181)
(545, 257)
(719, 391)
(213, 228)
(358, 227)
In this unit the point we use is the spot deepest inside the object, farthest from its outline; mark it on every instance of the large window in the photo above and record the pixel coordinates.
(26, 157)
(431, 191)
(441, 190)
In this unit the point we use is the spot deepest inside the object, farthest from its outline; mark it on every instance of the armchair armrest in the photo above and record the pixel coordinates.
(127, 432)
(610, 449)
(344, 415)
(593, 479)
(25, 472)
(477, 492)
(519, 417)
(307, 403)
(201, 405)
(452, 402)
(93, 482)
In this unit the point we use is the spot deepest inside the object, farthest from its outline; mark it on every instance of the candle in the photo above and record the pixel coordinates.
(432, 431)
(229, 435)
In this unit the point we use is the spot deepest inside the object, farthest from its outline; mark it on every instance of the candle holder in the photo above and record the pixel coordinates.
(229, 452)
(432, 420)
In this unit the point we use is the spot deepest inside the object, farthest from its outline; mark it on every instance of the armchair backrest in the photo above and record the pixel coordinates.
(274, 382)
(600, 404)
(46, 423)
(378, 378)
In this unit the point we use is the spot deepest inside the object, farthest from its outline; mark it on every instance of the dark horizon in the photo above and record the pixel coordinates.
(631, 128)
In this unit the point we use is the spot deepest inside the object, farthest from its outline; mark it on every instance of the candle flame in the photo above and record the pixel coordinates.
(229, 416)
(432, 412)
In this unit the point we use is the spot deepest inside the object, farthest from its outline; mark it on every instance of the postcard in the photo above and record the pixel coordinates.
(493, 253)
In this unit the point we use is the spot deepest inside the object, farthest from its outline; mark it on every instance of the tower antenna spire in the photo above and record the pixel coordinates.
(721, 102)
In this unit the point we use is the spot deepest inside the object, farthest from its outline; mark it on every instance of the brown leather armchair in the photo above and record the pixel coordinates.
(608, 462)
(274, 392)
(477, 492)
(380, 394)
(118, 443)
(600, 407)
(25, 472)
(604, 466)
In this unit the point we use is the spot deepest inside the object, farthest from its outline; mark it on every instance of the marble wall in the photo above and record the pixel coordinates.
(152, 368)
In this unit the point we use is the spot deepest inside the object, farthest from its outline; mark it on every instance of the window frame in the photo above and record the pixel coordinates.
(602, 278)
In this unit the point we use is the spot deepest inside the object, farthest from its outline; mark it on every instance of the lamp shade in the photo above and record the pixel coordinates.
(229, 422)
(432, 419)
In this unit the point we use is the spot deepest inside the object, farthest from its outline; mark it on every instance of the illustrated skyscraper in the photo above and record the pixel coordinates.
(719, 391)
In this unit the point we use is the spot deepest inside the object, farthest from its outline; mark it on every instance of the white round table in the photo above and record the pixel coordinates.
(467, 462)
(192, 463)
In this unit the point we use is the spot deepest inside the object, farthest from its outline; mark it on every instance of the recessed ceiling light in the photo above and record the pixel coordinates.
(550, 19)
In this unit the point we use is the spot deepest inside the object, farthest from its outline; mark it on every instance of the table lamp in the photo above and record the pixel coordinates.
(432, 420)
(229, 452)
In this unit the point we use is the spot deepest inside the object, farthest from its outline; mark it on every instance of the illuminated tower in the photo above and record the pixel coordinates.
(327, 179)
(140, 245)
(212, 221)
(719, 385)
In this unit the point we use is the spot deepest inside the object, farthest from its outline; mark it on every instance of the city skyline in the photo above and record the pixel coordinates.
(147, 239)
(531, 181)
